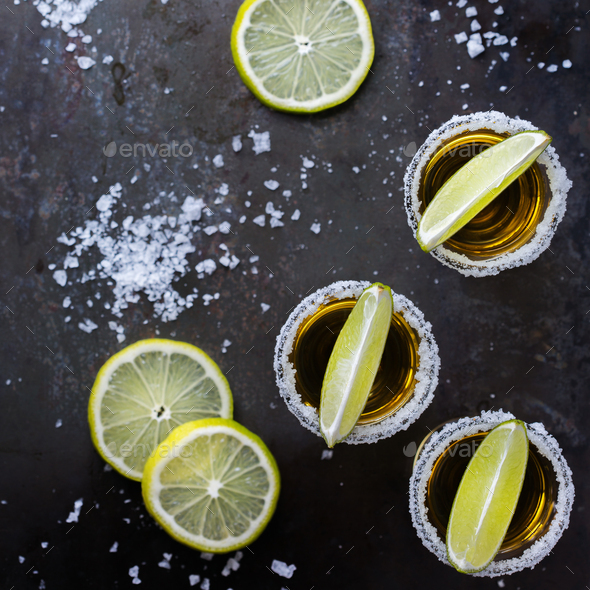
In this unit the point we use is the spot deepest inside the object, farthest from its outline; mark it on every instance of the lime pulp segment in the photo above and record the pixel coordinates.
(354, 362)
(476, 184)
(487, 497)
(145, 391)
(212, 485)
(302, 55)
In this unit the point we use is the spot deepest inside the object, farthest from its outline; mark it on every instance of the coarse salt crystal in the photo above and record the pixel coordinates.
(434, 16)
(85, 62)
(261, 141)
(265, 307)
(236, 143)
(470, 11)
(260, 220)
(281, 568)
(316, 228)
(271, 185)
(218, 161)
(296, 215)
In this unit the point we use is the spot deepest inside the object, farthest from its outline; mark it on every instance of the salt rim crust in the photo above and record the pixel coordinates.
(558, 182)
(442, 439)
(426, 375)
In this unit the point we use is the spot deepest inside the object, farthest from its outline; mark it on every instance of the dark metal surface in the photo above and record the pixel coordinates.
(518, 341)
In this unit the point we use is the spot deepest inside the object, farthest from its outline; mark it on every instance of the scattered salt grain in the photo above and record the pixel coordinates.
(87, 326)
(296, 215)
(501, 584)
(207, 556)
(307, 163)
(327, 454)
(356, 169)
(541, 65)
(86, 39)
(60, 277)
(464, 86)
(21, 559)
(114, 547)
(260, 220)
(281, 568)
(434, 16)
(513, 41)
(8, 381)
(503, 88)
(265, 307)
(475, 26)
(474, 45)
(225, 227)
(552, 68)
(73, 516)
(85, 62)
(218, 161)
(233, 564)
(70, 47)
(107, 59)
(165, 563)
(461, 3)
(504, 55)
(207, 266)
(242, 219)
(271, 185)
(44, 544)
(499, 10)
(316, 228)
(236, 143)
(465, 107)
(205, 585)
(287, 194)
(261, 141)
(58, 423)
(44, 61)
(211, 229)
(470, 11)
(134, 574)
(274, 222)
(500, 40)
(67, 301)
(194, 579)
(566, 63)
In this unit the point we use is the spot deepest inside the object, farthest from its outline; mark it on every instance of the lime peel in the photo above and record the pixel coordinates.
(354, 362)
(144, 391)
(476, 184)
(302, 56)
(208, 455)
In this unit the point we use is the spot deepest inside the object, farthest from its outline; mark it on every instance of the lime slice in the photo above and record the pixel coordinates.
(147, 389)
(476, 184)
(354, 362)
(212, 485)
(487, 496)
(302, 55)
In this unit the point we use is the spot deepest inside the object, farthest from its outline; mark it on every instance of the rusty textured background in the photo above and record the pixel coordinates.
(521, 337)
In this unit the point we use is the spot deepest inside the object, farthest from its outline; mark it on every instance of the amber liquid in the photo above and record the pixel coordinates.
(395, 379)
(535, 507)
(509, 221)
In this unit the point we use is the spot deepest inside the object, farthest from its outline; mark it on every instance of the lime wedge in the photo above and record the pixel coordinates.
(487, 496)
(354, 362)
(212, 485)
(147, 389)
(302, 55)
(476, 184)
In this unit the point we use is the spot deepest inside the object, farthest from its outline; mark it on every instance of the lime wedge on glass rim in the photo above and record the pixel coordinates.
(487, 497)
(212, 485)
(302, 55)
(476, 184)
(146, 390)
(353, 364)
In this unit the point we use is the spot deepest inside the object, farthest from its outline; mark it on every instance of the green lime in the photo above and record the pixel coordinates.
(487, 497)
(147, 389)
(302, 55)
(476, 184)
(212, 485)
(354, 362)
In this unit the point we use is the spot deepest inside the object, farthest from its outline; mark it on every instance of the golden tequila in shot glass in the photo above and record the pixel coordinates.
(405, 381)
(517, 226)
(543, 509)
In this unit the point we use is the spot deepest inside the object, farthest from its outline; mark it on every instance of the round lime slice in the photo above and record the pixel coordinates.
(353, 364)
(146, 390)
(302, 55)
(212, 485)
(476, 184)
(487, 497)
